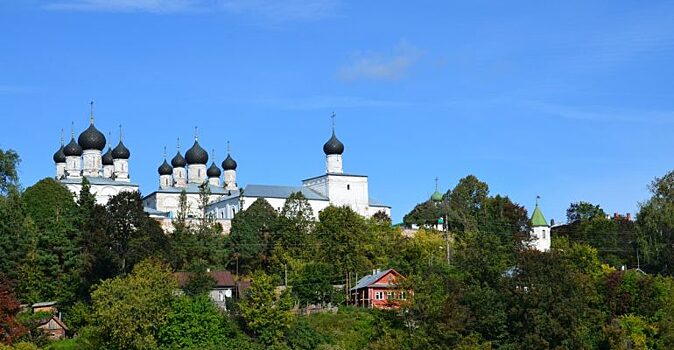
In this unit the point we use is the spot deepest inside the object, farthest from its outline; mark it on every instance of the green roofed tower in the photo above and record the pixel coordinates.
(436, 196)
(537, 219)
(540, 230)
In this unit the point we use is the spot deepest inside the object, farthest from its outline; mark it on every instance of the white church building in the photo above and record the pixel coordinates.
(108, 174)
(226, 199)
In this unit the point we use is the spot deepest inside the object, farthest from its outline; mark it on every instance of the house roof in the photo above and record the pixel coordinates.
(192, 188)
(369, 280)
(271, 191)
(99, 180)
(44, 304)
(221, 278)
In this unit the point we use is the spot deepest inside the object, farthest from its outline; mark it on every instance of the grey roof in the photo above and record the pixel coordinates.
(43, 304)
(376, 203)
(370, 279)
(92, 138)
(334, 174)
(155, 212)
(192, 188)
(98, 180)
(269, 191)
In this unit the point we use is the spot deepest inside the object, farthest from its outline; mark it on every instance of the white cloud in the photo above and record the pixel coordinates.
(273, 10)
(375, 66)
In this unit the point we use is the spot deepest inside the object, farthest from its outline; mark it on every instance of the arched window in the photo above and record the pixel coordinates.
(348, 187)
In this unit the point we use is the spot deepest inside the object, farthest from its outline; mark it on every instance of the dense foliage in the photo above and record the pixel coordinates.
(111, 267)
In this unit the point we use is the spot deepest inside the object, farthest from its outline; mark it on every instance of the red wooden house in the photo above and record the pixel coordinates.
(380, 290)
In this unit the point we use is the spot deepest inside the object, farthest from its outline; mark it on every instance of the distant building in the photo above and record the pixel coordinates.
(539, 236)
(227, 199)
(52, 324)
(379, 290)
(107, 173)
(225, 289)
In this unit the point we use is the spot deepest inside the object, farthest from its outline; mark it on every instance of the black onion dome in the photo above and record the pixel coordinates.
(196, 154)
(92, 139)
(229, 163)
(165, 169)
(333, 146)
(107, 157)
(213, 171)
(121, 152)
(72, 149)
(178, 161)
(59, 156)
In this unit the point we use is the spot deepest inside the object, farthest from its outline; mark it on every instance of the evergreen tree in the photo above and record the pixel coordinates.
(251, 238)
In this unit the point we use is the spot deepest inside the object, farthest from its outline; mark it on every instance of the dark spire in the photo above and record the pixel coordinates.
(165, 168)
(229, 163)
(91, 138)
(120, 151)
(333, 146)
(196, 154)
(178, 161)
(59, 156)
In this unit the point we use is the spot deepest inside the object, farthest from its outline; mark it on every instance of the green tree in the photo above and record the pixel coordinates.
(130, 311)
(313, 284)
(9, 178)
(344, 240)
(655, 222)
(193, 323)
(133, 236)
(17, 232)
(57, 249)
(583, 211)
(266, 313)
(250, 239)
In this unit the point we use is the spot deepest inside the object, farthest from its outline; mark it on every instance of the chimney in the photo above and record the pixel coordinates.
(552, 222)
(629, 216)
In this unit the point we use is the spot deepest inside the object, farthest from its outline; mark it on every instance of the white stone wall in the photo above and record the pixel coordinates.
(230, 179)
(60, 170)
(540, 238)
(92, 162)
(103, 193)
(333, 164)
(73, 167)
(215, 181)
(165, 181)
(180, 177)
(121, 170)
(196, 173)
(170, 202)
(108, 170)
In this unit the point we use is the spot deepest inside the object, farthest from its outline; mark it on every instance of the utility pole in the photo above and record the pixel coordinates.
(445, 226)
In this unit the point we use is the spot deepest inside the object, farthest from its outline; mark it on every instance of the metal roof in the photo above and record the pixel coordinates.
(370, 279)
(192, 188)
(99, 180)
(270, 191)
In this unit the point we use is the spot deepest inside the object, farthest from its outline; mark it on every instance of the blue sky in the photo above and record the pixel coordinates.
(570, 101)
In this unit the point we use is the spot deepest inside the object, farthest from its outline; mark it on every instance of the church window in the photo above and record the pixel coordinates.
(543, 234)
(348, 187)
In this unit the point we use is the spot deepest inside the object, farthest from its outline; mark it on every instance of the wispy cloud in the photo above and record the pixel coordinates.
(377, 66)
(272, 10)
(601, 113)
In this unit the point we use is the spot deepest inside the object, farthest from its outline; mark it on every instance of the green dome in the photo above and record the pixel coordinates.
(537, 219)
(436, 196)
